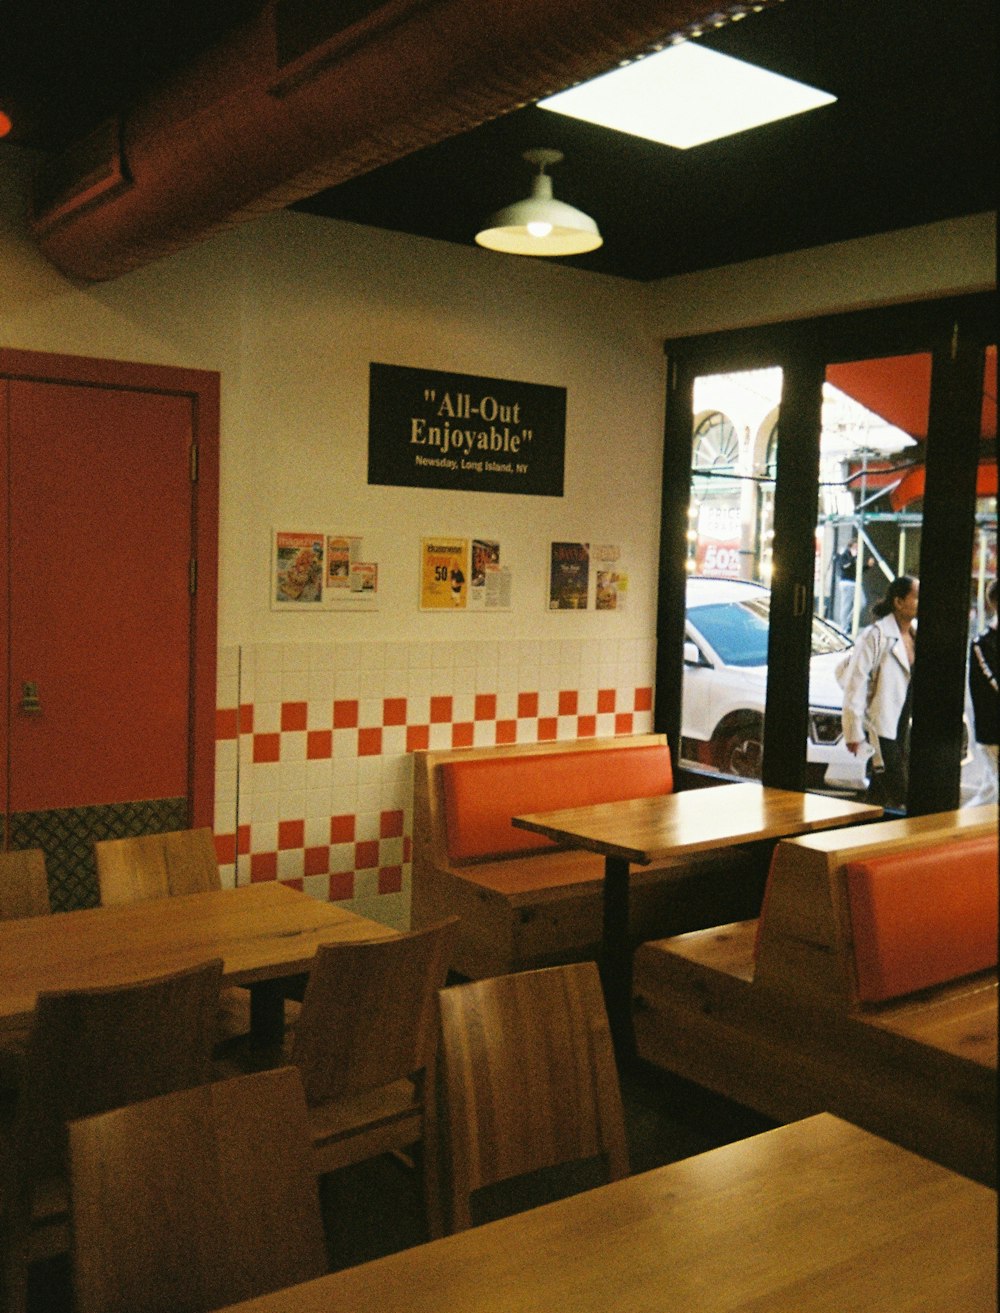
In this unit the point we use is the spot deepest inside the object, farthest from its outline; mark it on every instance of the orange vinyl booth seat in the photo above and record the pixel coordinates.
(867, 988)
(922, 919)
(522, 900)
(480, 796)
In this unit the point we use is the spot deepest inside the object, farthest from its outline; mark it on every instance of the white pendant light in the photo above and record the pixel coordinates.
(540, 225)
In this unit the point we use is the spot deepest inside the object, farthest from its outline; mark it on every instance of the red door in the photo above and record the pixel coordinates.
(101, 541)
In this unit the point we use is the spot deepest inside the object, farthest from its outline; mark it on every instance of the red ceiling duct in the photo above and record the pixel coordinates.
(297, 101)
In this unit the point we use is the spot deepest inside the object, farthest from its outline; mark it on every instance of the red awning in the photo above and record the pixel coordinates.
(912, 485)
(898, 389)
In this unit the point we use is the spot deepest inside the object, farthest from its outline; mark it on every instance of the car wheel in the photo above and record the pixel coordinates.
(738, 749)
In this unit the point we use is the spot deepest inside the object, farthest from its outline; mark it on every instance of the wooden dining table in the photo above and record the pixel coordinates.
(263, 932)
(814, 1217)
(640, 831)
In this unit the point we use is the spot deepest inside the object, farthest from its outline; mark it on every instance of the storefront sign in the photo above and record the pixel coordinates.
(719, 537)
(432, 430)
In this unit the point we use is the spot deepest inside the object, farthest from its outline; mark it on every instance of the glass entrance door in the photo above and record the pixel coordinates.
(806, 467)
(728, 564)
(868, 534)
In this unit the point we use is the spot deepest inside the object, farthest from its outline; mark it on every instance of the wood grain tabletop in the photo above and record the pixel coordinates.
(261, 931)
(814, 1217)
(641, 830)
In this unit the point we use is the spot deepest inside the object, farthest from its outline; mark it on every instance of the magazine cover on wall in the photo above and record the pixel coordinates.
(611, 583)
(489, 580)
(569, 576)
(320, 572)
(444, 573)
(350, 582)
(297, 570)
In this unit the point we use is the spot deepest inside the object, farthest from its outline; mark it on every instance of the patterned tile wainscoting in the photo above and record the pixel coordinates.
(67, 836)
(314, 781)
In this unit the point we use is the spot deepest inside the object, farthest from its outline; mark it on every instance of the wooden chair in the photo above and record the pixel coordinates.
(196, 1200)
(148, 866)
(24, 886)
(24, 891)
(365, 1043)
(529, 1079)
(89, 1051)
(156, 866)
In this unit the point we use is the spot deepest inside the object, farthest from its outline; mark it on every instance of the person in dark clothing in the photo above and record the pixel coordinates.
(846, 575)
(984, 666)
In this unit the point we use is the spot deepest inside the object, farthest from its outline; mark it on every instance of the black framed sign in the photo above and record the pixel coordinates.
(428, 429)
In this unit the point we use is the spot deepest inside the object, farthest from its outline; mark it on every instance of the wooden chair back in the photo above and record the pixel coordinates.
(149, 866)
(95, 1049)
(156, 866)
(89, 1051)
(24, 892)
(369, 1014)
(24, 886)
(195, 1200)
(529, 1079)
(366, 1044)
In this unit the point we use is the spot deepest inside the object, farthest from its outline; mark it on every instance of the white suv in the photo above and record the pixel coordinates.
(725, 678)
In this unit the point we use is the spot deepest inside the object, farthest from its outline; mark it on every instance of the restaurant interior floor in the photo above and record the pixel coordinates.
(374, 1209)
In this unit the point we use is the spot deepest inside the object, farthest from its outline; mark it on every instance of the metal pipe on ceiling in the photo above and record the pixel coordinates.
(273, 115)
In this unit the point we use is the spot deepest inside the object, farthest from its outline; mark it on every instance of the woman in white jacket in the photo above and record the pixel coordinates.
(877, 691)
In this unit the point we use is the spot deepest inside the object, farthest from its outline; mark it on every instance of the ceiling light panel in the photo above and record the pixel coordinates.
(686, 95)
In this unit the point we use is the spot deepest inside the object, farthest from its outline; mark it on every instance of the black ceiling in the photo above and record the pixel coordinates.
(912, 138)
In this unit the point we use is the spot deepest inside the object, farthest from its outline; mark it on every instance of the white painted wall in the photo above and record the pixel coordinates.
(291, 310)
(320, 301)
(940, 259)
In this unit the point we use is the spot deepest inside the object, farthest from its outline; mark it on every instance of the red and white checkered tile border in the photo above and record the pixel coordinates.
(338, 858)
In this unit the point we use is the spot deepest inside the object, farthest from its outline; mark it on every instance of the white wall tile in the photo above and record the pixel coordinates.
(321, 657)
(268, 658)
(345, 746)
(293, 749)
(369, 801)
(319, 806)
(341, 857)
(270, 688)
(396, 682)
(320, 688)
(266, 777)
(421, 656)
(293, 778)
(393, 741)
(440, 736)
(291, 864)
(316, 886)
(372, 657)
(317, 830)
(294, 685)
(267, 808)
(264, 836)
(346, 683)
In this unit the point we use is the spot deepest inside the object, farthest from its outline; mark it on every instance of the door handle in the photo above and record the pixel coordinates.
(799, 600)
(30, 704)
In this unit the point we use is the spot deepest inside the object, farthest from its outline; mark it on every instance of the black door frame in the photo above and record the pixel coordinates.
(955, 331)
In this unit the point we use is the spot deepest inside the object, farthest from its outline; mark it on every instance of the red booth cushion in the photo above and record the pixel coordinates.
(481, 795)
(920, 919)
